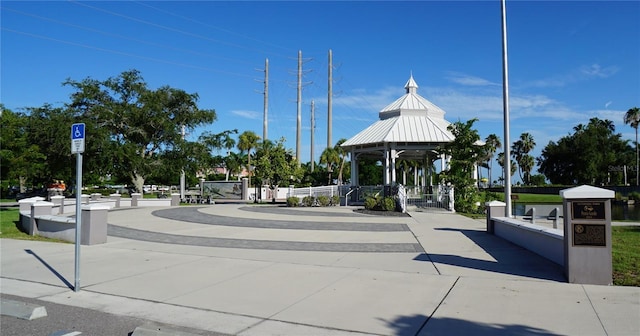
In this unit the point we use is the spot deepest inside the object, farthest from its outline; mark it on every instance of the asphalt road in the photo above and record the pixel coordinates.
(68, 320)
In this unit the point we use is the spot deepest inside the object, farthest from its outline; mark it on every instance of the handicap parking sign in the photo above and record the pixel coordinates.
(77, 138)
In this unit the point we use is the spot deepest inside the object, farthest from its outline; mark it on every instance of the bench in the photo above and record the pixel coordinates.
(554, 215)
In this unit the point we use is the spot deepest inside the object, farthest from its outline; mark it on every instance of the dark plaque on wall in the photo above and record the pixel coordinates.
(589, 235)
(588, 210)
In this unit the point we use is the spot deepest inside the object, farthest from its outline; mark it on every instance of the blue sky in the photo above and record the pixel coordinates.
(568, 61)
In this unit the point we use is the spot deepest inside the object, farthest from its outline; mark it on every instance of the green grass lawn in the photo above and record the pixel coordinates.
(9, 227)
(533, 198)
(626, 255)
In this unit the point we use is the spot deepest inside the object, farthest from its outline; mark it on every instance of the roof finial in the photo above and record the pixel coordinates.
(411, 85)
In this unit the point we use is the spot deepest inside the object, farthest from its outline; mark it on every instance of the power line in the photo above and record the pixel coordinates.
(124, 53)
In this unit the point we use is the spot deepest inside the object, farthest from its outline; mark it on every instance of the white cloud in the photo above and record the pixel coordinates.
(468, 80)
(595, 70)
(247, 114)
(586, 72)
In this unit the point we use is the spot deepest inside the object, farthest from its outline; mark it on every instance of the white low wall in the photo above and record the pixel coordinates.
(541, 240)
(57, 227)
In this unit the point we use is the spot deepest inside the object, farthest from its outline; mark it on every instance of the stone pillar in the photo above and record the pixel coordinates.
(116, 197)
(175, 199)
(95, 196)
(245, 189)
(25, 204)
(85, 199)
(494, 209)
(40, 208)
(587, 235)
(94, 224)
(134, 199)
(59, 202)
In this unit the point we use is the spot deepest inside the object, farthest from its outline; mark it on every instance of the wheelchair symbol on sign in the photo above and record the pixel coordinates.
(76, 132)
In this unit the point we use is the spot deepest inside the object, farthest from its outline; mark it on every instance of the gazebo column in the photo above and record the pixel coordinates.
(393, 155)
(354, 168)
(386, 154)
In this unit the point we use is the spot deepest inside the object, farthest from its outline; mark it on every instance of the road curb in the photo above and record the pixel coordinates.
(21, 310)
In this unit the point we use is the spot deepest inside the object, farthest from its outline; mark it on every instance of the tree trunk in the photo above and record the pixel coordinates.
(138, 182)
(23, 181)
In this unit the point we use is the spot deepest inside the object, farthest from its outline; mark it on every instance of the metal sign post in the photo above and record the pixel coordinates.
(77, 147)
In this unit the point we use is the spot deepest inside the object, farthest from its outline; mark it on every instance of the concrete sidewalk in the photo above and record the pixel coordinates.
(274, 280)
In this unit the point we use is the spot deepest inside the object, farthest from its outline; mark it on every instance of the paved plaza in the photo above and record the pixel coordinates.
(267, 270)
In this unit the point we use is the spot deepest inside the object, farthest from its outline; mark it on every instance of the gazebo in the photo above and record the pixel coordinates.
(411, 128)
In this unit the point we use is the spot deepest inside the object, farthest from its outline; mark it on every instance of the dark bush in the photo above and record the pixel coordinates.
(293, 201)
(308, 201)
(370, 203)
(335, 200)
(323, 200)
(388, 204)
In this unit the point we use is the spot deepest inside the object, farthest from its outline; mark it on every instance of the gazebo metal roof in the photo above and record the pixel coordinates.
(409, 119)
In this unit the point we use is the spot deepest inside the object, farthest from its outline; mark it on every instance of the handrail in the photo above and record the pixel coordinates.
(346, 196)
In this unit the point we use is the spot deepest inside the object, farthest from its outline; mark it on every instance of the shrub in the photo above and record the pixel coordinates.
(335, 200)
(293, 201)
(370, 203)
(388, 204)
(308, 201)
(634, 195)
(323, 200)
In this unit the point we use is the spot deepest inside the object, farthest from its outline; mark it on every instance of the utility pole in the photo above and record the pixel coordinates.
(299, 104)
(265, 121)
(313, 127)
(329, 98)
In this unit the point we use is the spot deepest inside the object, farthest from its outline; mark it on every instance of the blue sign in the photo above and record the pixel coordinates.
(77, 131)
(77, 138)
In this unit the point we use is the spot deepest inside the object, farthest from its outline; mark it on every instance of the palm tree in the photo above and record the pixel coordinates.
(343, 157)
(247, 141)
(492, 143)
(520, 150)
(632, 117)
(331, 158)
(233, 164)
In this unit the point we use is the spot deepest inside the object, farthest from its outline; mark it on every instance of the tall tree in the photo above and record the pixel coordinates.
(632, 118)
(492, 144)
(520, 152)
(142, 123)
(343, 158)
(248, 141)
(587, 156)
(331, 158)
(21, 158)
(464, 152)
(276, 165)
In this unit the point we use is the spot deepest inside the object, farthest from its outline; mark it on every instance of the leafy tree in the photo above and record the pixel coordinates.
(248, 141)
(276, 165)
(538, 180)
(464, 152)
(142, 123)
(632, 118)
(585, 157)
(369, 171)
(22, 160)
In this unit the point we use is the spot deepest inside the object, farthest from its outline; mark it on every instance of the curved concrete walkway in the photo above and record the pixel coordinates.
(267, 281)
